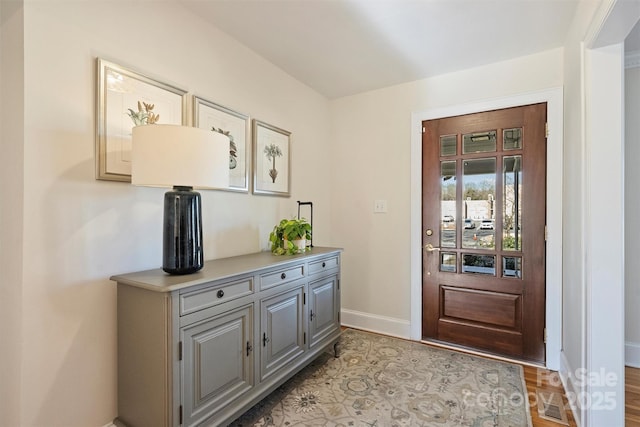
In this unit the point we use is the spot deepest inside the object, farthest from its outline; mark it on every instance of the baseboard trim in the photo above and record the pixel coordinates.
(570, 388)
(632, 354)
(373, 323)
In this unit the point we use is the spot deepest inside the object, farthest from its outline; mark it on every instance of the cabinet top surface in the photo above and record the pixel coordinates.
(217, 269)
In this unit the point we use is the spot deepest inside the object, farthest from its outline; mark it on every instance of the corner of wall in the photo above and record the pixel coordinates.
(374, 323)
(11, 209)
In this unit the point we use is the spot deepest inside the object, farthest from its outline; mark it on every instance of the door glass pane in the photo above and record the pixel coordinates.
(512, 138)
(512, 266)
(512, 206)
(448, 145)
(479, 142)
(448, 262)
(479, 189)
(479, 264)
(448, 204)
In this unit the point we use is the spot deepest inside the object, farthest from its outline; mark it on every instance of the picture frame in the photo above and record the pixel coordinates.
(208, 115)
(124, 99)
(271, 160)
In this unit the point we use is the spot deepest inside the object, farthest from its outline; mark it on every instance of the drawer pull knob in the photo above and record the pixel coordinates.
(283, 276)
(324, 264)
(220, 293)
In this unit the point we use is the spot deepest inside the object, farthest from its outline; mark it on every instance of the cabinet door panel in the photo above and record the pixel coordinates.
(282, 330)
(323, 309)
(216, 365)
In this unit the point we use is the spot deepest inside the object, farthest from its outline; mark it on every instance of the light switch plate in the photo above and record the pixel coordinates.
(380, 206)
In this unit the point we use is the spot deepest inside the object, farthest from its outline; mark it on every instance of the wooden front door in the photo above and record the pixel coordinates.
(483, 225)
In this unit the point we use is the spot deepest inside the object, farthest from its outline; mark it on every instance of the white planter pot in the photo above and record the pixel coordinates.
(300, 244)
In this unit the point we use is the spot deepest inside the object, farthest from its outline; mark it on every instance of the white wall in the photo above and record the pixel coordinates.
(632, 214)
(11, 208)
(593, 327)
(372, 132)
(574, 294)
(58, 301)
(79, 231)
(605, 251)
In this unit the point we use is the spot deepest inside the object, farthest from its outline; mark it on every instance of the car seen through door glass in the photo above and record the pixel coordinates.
(486, 224)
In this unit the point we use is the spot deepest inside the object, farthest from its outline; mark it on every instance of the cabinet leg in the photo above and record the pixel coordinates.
(336, 350)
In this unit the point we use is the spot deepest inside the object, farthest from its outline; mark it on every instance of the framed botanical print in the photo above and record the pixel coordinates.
(271, 159)
(126, 99)
(217, 118)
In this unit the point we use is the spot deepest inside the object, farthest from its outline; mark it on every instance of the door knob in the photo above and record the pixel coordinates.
(429, 247)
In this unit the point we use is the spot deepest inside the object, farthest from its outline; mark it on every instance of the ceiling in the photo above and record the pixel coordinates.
(344, 47)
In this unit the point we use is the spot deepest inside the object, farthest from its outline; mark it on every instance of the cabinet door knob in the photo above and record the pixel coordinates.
(283, 276)
(324, 264)
(220, 293)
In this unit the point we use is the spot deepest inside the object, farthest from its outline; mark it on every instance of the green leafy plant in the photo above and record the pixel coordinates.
(286, 232)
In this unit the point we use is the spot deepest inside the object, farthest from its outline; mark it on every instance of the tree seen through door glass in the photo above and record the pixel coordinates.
(512, 204)
(479, 189)
(479, 264)
(448, 204)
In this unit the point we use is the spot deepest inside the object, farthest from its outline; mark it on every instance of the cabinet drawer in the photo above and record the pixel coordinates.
(275, 278)
(198, 300)
(323, 265)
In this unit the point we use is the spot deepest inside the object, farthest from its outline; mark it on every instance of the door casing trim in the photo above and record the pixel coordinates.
(553, 305)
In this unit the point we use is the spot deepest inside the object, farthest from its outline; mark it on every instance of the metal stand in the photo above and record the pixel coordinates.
(310, 204)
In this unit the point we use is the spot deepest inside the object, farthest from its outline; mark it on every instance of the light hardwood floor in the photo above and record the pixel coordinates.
(632, 397)
(549, 381)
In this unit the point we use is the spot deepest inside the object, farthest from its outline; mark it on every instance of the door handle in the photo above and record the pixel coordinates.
(429, 247)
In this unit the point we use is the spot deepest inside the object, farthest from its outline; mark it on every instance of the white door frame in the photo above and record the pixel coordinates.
(603, 98)
(554, 99)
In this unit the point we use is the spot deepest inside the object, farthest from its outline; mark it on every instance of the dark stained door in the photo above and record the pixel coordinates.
(483, 225)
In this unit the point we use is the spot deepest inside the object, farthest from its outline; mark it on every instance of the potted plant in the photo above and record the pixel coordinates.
(290, 236)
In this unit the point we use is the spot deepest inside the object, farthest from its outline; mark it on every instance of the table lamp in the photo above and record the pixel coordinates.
(180, 157)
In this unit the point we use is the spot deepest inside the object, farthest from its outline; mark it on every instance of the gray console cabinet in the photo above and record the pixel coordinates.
(282, 330)
(200, 349)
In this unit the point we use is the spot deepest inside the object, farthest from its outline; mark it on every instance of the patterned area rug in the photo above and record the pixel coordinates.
(386, 382)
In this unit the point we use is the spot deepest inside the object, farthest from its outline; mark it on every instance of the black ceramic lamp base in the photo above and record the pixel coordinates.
(182, 235)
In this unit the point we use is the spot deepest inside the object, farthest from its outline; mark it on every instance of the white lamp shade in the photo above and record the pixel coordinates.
(173, 155)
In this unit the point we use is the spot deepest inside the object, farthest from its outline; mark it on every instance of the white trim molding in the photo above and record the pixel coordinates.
(632, 354)
(374, 323)
(554, 99)
(572, 388)
(632, 59)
